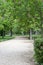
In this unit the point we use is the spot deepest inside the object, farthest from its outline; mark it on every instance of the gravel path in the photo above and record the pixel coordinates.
(16, 52)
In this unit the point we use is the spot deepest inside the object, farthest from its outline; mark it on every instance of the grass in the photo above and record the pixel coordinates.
(6, 38)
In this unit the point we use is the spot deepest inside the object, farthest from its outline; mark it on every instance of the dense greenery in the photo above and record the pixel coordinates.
(6, 17)
(7, 37)
(23, 17)
(20, 16)
(39, 50)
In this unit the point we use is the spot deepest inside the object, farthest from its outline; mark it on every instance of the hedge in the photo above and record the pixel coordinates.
(38, 47)
(36, 36)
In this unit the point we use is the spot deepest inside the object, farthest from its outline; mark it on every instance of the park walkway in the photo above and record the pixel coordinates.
(18, 51)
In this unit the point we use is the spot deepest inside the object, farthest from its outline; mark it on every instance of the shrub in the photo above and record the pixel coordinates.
(38, 47)
(36, 36)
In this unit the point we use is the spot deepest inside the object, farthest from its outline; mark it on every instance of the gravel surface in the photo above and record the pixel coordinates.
(16, 52)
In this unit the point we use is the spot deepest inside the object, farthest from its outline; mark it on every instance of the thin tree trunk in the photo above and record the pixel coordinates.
(11, 32)
(36, 32)
(2, 33)
(30, 34)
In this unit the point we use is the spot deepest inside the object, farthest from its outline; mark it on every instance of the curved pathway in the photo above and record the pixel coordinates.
(17, 52)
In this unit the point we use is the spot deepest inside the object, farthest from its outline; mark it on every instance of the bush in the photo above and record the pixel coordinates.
(36, 36)
(7, 37)
(38, 47)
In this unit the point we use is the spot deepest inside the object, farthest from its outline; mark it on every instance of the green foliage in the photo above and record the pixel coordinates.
(1, 27)
(38, 47)
(6, 15)
(27, 13)
(36, 36)
(7, 37)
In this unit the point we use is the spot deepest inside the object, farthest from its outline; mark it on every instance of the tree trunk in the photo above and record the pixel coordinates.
(36, 33)
(30, 34)
(2, 33)
(11, 32)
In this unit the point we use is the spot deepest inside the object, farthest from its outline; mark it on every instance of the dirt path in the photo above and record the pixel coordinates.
(16, 52)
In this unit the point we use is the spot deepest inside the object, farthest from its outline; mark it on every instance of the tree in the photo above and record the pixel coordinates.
(6, 15)
(39, 6)
(28, 15)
